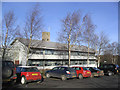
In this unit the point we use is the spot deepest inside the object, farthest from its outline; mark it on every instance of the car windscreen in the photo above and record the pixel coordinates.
(30, 70)
(91, 69)
(96, 68)
(34, 70)
(85, 68)
(71, 69)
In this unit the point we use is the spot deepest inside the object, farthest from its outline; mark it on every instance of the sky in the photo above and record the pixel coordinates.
(103, 14)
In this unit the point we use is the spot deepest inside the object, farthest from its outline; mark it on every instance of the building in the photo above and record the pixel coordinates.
(45, 52)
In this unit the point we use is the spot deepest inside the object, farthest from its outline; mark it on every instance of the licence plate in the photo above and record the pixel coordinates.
(73, 76)
(35, 74)
(88, 72)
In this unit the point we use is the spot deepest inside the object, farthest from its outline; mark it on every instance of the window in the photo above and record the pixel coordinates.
(74, 53)
(85, 68)
(62, 68)
(77, 68)
(84, 62)
(91, 54)
(34, 70)
(41, 52)
(56, 68)
(49, 52)
(72, 62)
(73, 67)
(80, 62)
(92, 62)
(37, 52)
(76, 62)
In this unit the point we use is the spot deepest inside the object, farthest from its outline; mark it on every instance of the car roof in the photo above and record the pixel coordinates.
(6, 61)
(26, 66)
(75, 66)
(62, 66)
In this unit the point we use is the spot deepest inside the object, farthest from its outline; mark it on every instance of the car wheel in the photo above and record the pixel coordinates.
(80, 76)
(110, 73)
(23, 80)
(40, 81)
(63, 77)
(48, 75)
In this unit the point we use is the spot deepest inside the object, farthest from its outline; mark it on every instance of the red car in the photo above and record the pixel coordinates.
(82, 72)
(28, 73)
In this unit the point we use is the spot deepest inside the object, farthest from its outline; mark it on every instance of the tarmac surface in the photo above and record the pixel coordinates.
(96, 82)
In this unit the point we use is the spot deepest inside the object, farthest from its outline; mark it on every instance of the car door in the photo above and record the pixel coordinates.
(78, 70)
(61, 71)
(54, 72)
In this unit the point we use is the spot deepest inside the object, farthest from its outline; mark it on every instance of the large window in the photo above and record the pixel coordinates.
(74, 53)
(49, 52)
(59, 52)
(72, 62)
(92, 62)
(84, 62)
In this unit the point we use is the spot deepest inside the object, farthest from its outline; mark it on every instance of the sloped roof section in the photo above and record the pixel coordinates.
(52, 45)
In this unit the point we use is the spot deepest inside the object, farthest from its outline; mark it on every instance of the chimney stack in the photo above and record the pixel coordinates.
(45, 36)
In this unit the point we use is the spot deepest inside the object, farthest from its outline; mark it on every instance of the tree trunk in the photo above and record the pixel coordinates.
(99, 58)
(3, 55)
(28, 49)
(88, 54)
(4, 49)
(69, 52)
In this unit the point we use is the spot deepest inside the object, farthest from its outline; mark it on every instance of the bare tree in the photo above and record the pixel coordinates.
(103, 41)
(9, 31)
(88, 33)
(112, 51)
(33, 26)
(72, 26)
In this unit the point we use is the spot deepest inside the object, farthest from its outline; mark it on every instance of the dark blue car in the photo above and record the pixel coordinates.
(61, 72)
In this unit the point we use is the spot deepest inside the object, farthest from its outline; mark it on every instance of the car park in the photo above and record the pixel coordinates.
(8, 71)
(109, 69)
(82, 72)
(62, 72)
(27, 73)
(94, 72)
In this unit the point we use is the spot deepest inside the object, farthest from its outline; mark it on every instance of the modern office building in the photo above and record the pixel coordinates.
(45, 52)
(51, 53)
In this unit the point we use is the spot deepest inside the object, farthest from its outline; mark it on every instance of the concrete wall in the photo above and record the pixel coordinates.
(22, 55)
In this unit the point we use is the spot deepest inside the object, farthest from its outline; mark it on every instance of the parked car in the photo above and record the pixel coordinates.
(82, 72)
(94, 72)
(8, 71)
(109, 69)
(28, 73)
(61, 72)
(100, 72)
